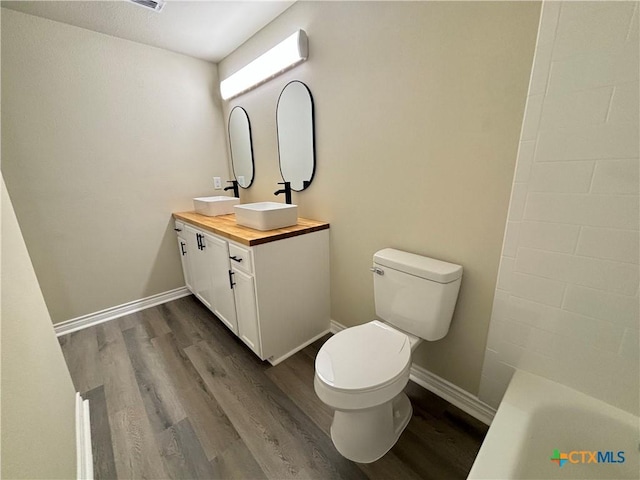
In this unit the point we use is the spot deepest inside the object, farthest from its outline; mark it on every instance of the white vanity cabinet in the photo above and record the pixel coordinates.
(269, 288)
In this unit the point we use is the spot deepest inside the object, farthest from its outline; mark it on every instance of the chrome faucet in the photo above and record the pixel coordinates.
(234, 187)
(286, 190)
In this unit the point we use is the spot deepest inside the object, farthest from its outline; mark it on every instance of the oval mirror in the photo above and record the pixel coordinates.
(241, 147)
(296, 143)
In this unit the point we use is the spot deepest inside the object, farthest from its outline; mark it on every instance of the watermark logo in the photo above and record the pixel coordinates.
(587, 456)
(559, 458)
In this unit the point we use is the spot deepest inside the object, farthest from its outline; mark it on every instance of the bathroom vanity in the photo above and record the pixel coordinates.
(270, 288)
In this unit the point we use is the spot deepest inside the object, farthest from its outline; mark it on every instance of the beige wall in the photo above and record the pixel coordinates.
(102, 139)
(38, 398)
(418, 112)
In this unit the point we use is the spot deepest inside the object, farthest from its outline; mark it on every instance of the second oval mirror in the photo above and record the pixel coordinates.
(241, 147)
(296, 143)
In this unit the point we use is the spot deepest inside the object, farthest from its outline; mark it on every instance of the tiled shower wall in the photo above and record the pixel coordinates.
(566, 303)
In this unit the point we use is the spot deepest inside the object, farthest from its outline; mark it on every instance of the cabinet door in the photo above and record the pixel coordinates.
(245, 295)
(200, 277)
(224, 305)
(184, 251)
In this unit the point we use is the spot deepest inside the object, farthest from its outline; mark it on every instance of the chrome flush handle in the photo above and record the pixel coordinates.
(377, 270)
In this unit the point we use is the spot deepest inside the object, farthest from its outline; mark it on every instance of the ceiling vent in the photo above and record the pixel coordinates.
(155, 5)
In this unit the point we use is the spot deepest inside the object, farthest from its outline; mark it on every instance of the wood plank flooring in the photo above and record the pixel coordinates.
(174, 394)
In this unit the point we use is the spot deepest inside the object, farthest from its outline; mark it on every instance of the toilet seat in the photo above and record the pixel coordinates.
(363, 359)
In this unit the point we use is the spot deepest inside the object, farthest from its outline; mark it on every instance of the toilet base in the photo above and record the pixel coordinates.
(364, 436)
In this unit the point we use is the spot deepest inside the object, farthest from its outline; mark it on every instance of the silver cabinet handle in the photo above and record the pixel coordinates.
(377, 270)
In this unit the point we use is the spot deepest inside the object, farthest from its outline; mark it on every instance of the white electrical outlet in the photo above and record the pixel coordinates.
(217, 183)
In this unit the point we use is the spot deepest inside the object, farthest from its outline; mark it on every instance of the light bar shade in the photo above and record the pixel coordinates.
(156, 5)
(287, 54)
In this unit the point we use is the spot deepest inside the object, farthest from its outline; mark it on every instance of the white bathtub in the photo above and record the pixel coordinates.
(538, 416)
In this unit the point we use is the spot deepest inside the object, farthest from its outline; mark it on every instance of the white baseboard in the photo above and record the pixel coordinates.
(84, 453)
(335, 327)
(118, 311)
(453, 394)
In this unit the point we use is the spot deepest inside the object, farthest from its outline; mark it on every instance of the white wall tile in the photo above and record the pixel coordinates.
(567, 304)
(584, 108)
(579, 368)
(533, 111)
(505, 273)
(491, 392)
(632, 36)
(625, 104)
(533, 313)
(500, 307)
(541, 69)
(518, 200)
(511, 239)
(617, 177)
(611, 307)
(554, 237)
(494, 338)
(536, 362)
(543, 290)
(525, 159)
(597, 31)
(598, 142)
(629, 345)
(517, 333)
(511, 354)
(583, 72)
(545, 342)
(619, 245)
(497, 370)
(576, 209)
(590, 272)
(549, 17)
(572, 10)
(593, 332)
(499, 314)
(602, 374)
(566, 177)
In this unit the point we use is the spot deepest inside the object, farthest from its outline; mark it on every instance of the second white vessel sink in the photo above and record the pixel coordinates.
(214, 206)
(266, 215)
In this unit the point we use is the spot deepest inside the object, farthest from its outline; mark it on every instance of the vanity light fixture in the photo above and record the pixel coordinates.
(287, 54)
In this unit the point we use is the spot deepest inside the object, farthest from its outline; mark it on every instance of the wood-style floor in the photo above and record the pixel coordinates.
(174, 394)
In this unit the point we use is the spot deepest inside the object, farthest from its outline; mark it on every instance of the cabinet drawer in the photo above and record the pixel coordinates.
(240, 258)
(178, 227)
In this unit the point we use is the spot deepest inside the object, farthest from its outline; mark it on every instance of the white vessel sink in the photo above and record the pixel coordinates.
(214, 206)
(266, 215)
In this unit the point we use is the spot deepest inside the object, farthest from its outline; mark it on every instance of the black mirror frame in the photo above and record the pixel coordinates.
(306, 183)
(253, 162)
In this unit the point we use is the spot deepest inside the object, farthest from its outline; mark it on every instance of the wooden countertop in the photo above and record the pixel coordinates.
(226, 226)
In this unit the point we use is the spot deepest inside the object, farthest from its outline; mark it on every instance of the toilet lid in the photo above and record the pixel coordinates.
(364, 357)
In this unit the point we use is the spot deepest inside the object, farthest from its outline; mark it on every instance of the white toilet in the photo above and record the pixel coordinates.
(361, 371)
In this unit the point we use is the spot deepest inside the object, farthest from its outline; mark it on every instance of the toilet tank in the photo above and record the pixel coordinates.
(414, 293)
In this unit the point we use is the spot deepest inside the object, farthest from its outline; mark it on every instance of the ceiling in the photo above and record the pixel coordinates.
(209, 30)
